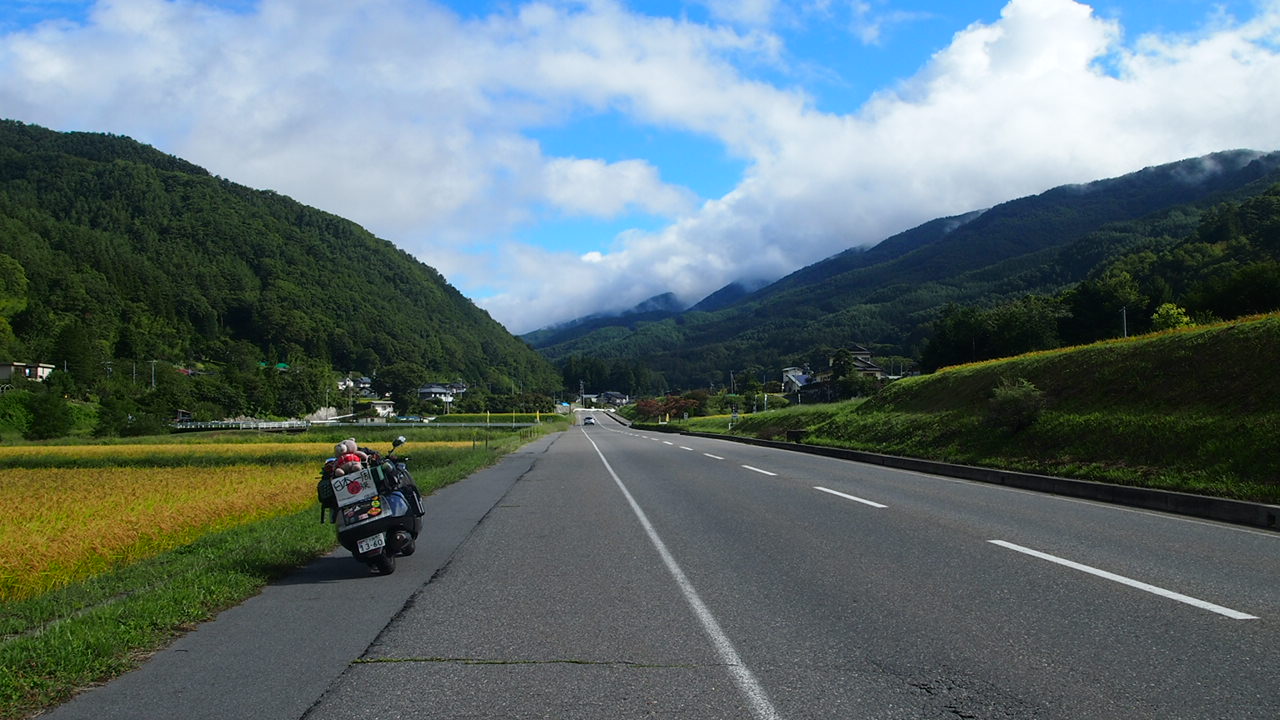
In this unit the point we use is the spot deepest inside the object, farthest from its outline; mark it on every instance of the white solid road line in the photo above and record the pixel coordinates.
(761, 707)
(1228, 612)
(762, 472)
(850, 497)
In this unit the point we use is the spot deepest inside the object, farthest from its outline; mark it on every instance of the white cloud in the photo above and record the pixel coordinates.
(1008, 109)
(743, 12)
(870, 23)
(592, 187)
(416, 123)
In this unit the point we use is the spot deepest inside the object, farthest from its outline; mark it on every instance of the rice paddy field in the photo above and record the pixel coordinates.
(108, 550)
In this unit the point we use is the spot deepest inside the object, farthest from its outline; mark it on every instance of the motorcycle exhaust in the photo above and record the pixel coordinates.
(402, 542)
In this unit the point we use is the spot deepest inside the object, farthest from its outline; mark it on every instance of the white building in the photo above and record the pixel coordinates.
(30, 371)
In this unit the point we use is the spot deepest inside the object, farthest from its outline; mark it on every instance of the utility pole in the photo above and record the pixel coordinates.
(153, 374)
(1124, 319)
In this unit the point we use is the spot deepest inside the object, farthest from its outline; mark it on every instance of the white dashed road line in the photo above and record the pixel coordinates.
(850, 497)
(1228, 612)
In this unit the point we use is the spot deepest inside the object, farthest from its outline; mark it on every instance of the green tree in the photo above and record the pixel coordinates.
(959, 336)
(1169, 316)
(857, 385)
(13, 287)
(304, 388)
(402, 381)
(15, 410)
(842, 364)
(1022, 326)
(81, 355)
(51, 417)
(116, 412)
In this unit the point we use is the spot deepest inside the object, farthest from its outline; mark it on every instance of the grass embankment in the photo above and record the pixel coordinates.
(1194, 410)
(107, 551)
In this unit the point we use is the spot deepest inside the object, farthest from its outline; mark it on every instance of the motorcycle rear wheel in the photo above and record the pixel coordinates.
(385, 564)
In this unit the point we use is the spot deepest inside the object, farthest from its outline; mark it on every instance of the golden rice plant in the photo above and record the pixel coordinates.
(73, 511)
(63, 525)
(156, 455)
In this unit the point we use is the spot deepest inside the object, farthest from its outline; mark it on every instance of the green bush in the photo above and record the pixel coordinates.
(14, 413)
(51, 417)
(1014, 404)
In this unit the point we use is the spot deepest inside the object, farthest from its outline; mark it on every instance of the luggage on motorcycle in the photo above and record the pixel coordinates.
(324, 489)
(324, 493)
(386, 478)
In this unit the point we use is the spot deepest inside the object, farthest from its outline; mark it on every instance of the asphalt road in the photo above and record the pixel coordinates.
(616, 574)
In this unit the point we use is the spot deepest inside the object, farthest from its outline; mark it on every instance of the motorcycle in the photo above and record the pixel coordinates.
(377, 509)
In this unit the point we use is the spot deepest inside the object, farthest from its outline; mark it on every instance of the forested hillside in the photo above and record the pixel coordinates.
(112, 254)
(1227, 268)
(888, 297)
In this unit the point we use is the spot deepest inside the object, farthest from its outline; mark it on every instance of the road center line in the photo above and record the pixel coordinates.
(667, 442)
(713, 457)
(1233, 614)
(762, 472)
(686, 448)
(761, 707)
(850, 497)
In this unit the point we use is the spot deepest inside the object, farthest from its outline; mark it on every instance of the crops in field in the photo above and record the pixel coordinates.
(170, 455)
(109, 550)
(72, 512)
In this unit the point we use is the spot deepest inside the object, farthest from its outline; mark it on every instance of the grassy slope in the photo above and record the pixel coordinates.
(1195, 410)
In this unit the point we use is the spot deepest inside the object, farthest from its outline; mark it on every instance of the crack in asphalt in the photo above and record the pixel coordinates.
(559, 661)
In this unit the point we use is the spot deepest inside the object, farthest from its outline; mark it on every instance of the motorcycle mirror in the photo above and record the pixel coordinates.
(398, 442)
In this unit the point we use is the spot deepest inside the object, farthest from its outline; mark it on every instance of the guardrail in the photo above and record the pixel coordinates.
(278, 426)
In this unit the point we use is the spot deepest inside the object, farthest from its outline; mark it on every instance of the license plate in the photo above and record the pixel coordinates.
(371, 543)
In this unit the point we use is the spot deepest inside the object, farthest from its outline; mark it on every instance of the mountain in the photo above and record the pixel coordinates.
(728, 295)
(885, 296)
(658, 307)
(145, 256)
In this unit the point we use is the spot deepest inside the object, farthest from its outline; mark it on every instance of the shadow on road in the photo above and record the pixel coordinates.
(331, 568)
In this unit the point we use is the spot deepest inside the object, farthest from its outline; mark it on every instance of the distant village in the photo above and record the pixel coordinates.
(798, 383)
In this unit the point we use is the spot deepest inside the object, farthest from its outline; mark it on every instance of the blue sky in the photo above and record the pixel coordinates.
(554, 159)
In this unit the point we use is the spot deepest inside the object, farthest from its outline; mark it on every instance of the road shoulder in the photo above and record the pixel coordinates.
(274, 655)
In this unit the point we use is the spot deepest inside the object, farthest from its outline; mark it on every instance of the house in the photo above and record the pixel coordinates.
(30, 371)
(384, 408)
(361, 386)
(444, 392)
(794, 378)
(615, 399)
(862, 365)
